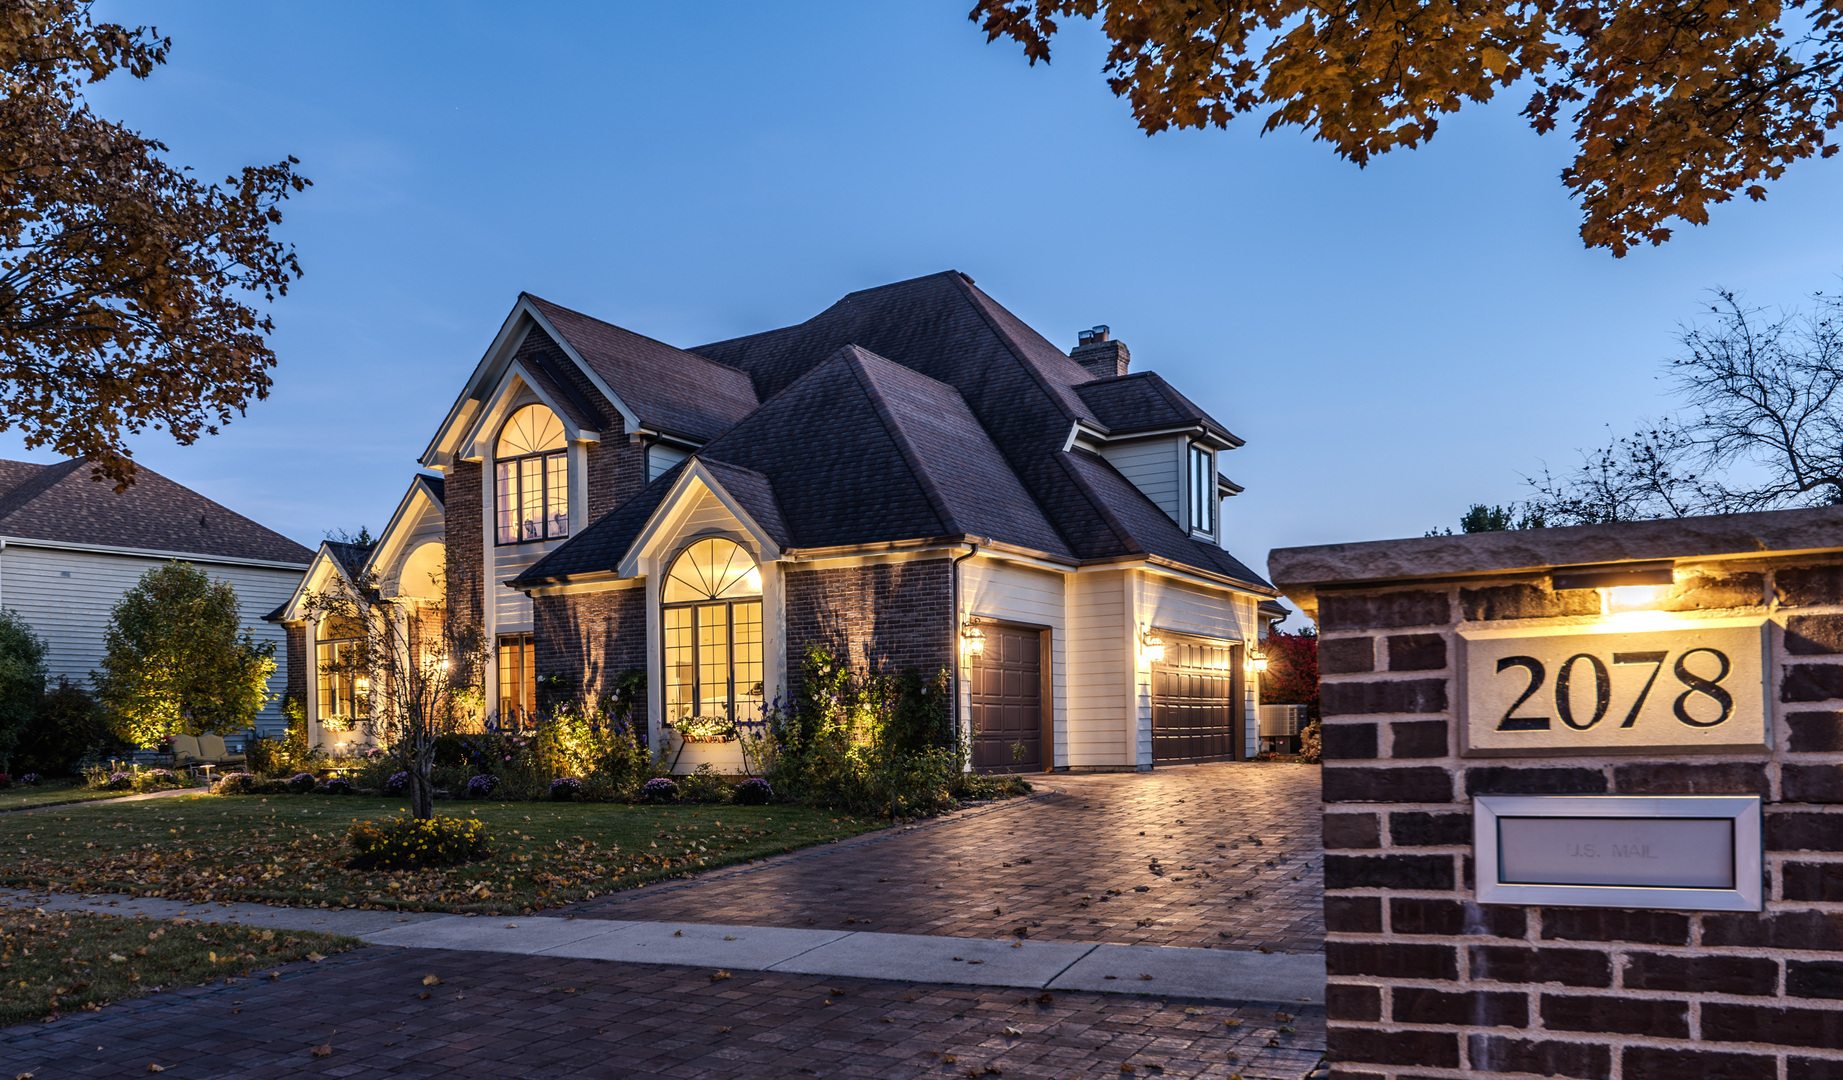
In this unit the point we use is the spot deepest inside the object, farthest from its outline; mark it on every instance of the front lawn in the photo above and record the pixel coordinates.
(20, 797)
(291, 849)
(63, 961)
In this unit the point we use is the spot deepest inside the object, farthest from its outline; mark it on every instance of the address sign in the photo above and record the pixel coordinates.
(1618, 686)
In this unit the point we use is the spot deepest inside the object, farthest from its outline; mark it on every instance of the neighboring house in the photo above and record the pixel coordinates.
(913, 477)
(71, 546)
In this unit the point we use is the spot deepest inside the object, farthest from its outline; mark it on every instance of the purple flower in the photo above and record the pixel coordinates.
(753, 792)
(660, 789)
(397, 783)
(481, 786)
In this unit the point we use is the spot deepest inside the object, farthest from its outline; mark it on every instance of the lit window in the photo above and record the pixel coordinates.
(518, 681)
(531, 475)
(713, 634)
(1202, 490)
(339, 662)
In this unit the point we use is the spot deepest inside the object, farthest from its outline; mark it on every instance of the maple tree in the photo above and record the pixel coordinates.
(1291, 677)
(121, 274)
(1675, 105)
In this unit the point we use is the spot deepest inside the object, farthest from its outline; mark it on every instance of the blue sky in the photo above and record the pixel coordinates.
(1394, 343)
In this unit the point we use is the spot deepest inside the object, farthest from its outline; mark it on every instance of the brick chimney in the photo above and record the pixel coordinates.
(1101, 354)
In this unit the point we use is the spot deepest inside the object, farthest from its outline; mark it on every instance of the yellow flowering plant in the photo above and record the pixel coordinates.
(407, 843)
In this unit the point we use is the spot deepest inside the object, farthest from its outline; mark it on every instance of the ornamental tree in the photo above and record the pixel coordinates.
(1673, 107)
(125, 282)
(417, 675)
(178, 661)
(1291, 677)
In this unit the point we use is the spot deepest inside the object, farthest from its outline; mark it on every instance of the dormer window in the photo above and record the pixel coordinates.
(531, 476)
(1202, 489)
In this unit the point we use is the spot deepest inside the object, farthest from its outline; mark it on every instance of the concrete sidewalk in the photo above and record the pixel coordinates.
(1210, 974)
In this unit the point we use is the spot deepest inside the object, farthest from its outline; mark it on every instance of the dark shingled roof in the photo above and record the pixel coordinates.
(1144, 401)
(438, 485)
(918, 410)
(669, 389)
(61, 504)
(350, 556)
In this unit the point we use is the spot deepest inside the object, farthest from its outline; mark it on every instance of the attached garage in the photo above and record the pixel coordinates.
(1198, 697)
(1008, 708)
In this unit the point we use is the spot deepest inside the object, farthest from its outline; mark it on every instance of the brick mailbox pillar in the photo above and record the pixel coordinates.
(1584, 799)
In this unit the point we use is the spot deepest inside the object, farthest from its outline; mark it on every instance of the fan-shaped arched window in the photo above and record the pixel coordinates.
(531, 471)
(713, 633)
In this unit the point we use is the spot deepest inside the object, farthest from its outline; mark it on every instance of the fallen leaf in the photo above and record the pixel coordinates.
(678, 933)
(1193, 1011)
(323, 1050)
(1147, 978)
(1045, 999)
(719, 976)
(425, 995)
(315, 957)
(729, 937)
(1232, 1023)
(431, 980)
(1012, 1031)
(724, 1030)
(151, 1067)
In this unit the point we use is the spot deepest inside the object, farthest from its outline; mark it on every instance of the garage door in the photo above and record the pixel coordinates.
(1007, 700)
(1196, 701)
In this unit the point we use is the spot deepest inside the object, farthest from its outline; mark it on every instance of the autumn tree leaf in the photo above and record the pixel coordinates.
(1673, 107)
(127, 286)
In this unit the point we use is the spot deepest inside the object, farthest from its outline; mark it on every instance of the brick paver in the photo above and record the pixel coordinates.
(1202, 856)
(514, 1017)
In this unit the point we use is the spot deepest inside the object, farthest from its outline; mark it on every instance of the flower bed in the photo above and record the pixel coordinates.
(409, 843)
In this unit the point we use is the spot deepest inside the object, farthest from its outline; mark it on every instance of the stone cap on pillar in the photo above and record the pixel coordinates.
(1300, 572)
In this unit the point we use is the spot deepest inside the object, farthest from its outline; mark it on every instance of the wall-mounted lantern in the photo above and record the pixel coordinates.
(1257, 662)
(1154, 647)
(973, 639)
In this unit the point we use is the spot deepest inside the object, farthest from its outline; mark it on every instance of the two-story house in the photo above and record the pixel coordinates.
(913, 477)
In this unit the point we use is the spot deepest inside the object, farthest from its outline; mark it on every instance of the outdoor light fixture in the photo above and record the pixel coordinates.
(1257, 662)
(974, 640)
(1623, 589)
(1154, 648)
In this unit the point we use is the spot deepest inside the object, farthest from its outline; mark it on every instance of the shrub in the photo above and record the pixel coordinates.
(482, 786)
(236, 783)
(1312, 744)
(120, 781)
(704, 786)
(31, 779)
(301, 783)
(66, 727)
(157, 780)
(660, 789)
(565, 788)
(406, 843)
(398, 783)
(753, 792)
(337, 785)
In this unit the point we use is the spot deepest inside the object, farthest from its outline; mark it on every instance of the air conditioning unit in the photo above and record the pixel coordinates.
(1282, 721)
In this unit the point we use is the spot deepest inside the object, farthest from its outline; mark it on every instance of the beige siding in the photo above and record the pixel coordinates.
(1010, 593)
(660, 458)
(1155, 466)
(1099, 638)
(67, 598)
(511, 608)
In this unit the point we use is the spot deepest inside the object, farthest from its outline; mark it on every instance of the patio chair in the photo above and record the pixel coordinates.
(213, 750)
(186, 752)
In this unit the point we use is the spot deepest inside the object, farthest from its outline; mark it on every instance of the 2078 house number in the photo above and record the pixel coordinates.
(1679, 685)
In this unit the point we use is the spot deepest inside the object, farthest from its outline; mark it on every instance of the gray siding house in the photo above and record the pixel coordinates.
(70, 547)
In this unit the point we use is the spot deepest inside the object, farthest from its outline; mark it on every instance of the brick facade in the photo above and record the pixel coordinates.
(590, 638)
(882, 616)
(1424, 982)
(617, 466)
(464, 548)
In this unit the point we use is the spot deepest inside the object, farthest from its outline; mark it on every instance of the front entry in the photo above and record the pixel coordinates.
(1197, 701)
(1007, 700)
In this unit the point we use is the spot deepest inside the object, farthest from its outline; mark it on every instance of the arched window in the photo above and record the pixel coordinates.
(713, 633)
(531, 472)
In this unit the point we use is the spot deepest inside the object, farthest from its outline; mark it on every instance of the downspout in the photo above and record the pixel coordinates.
(953, 639)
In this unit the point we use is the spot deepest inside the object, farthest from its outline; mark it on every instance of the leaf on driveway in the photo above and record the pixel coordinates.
(431, 980)
(1009, 1030)
(719, 976)
(323, 1050)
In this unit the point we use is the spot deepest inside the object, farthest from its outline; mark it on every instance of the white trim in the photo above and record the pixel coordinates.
(183, 556)
(498, 407)
(387, 544)
(663, 522)
(1743, 810)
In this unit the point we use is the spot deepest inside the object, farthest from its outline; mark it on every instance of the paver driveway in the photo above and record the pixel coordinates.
(1222, 855)
(516, 1017)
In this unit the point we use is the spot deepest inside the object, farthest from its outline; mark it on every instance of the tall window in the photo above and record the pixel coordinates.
(713, 633)
(336, 652)
(518, 681)
(531, 476)
(1202, 489)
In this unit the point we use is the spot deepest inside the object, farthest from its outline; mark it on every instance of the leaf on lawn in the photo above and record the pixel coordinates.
(719, 976)
(323, 1050)
(431, 980)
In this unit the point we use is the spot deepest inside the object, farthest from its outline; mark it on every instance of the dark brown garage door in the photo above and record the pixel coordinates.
(1196, 701)
(1007, 691)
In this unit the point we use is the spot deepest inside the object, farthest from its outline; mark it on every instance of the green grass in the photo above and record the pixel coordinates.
(291, 849)
(26, 798)
(53, 962)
